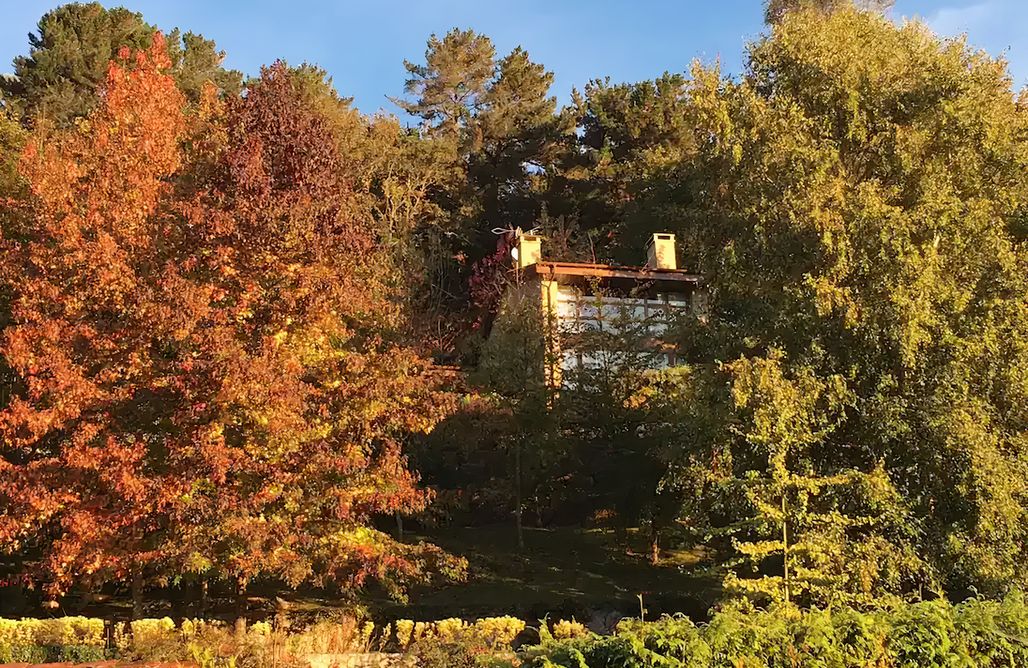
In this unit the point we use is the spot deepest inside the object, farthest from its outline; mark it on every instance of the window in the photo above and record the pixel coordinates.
(637, 322)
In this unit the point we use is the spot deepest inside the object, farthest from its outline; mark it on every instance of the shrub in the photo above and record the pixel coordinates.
(455, 642)
(934, 634)
(564, 629)
(995, 634)
(337, 635)
(75, 639)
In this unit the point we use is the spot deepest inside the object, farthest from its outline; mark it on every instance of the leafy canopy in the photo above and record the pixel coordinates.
(201, 331)
(70, 51)
(857, 201)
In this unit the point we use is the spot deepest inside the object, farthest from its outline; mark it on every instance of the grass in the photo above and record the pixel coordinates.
(563, 572)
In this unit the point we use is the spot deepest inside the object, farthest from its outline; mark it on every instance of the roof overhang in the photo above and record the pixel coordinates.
(622, 278)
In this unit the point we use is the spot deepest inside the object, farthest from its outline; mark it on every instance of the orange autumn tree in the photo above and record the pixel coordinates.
(80, 480)
(200, 330)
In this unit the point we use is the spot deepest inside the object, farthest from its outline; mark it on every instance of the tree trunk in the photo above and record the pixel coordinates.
(517, 495)
(240, 608)
(88, 596)
(399, 526)
(654, 543)
(620, 525)
(202, 596)
(785, 550)
(137, 593)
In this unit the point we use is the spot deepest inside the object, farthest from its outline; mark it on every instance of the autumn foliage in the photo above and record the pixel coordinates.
(202, 327)
(214, 299)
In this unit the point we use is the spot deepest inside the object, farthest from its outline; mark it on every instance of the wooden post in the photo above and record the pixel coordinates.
(654, 541)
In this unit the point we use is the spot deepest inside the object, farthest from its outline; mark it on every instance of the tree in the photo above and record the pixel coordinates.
(448, 87)
(816, 533)
(203, 333)
(515, 136)
(858, 202)
(69, 53)
(78, 479)
(496, 122)
(604, 411)
(314, 430)
(12, 221)
(12, 139)
(513, 373)
(196, 62)
(629, 135)
(775, 10)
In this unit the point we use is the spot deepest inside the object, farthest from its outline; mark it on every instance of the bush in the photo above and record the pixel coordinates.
(455, 643)
(986, 634)
(210, 644)
(205, 643)
(75, 639)
(934, 634)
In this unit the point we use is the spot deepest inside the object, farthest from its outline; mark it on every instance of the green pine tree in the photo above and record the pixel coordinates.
(70, 51)
(447, 88)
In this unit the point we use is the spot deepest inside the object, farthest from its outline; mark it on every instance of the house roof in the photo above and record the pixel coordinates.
(578, 273)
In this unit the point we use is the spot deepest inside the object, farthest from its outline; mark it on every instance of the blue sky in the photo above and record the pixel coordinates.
(362, 43)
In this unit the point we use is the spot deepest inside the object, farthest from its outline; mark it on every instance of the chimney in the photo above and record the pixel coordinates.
(660, 252)
(528, 250)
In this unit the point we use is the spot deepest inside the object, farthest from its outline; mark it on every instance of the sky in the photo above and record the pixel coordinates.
(363, 43)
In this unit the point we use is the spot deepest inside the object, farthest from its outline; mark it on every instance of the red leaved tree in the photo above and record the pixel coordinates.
(312, 401)
(199, 333)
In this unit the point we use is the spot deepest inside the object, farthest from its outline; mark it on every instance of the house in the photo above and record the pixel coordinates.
(574, 299)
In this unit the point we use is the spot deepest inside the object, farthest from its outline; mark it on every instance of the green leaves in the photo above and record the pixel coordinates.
(70, 52)
(855, 201)
(922, 635)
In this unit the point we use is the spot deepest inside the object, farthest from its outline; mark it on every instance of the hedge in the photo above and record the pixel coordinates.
(212, 643)
(936, 634)
(75, 639)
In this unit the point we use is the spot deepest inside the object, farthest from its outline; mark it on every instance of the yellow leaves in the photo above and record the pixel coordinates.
(831, 298)
(495, 632)
(566, 630)
(58, 631)
(760, 549)
(404, 633)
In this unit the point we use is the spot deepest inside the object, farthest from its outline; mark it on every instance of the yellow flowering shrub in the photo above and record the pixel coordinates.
(193, 639)
(365, 633)
(57, 631)
(449, 629)
(46, 640)
(566, 630)
(404, 633)
(498, 631)
(336, 636)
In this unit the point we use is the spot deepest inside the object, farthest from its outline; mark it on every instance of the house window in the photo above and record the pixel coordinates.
(584, 319)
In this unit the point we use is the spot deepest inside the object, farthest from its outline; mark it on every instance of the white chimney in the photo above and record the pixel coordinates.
(660, 252)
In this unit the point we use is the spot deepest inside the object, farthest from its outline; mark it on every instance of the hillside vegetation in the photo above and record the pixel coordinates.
(232, 307)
